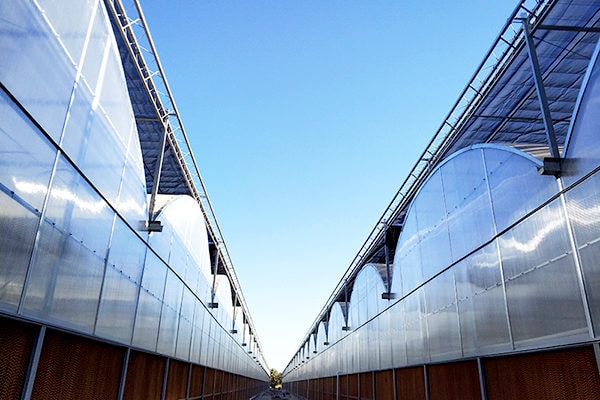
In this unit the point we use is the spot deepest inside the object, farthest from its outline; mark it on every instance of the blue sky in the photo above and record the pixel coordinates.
(305, 117)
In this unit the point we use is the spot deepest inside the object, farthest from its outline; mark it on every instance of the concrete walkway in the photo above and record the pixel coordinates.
(275, 394)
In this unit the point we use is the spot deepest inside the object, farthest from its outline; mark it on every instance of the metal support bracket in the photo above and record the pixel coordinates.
(152, 225)
(552, 164)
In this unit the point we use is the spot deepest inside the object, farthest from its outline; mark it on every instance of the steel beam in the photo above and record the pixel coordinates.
(34, 361)
(163, 394)
(481, 372)
(540, 89)
(123, 374)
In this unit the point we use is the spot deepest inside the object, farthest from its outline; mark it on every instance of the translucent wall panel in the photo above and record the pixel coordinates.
(118, 302)
(15, 249)
(407, 259)
(368, 340)
(68, 263)
(363, 303)
(582, 155)
(515, 185)
(126, 258)
(26, 163)
(434, 242)
(336, 322)
(442, 318)
(398, 334)
(481, 303)
(44, 88)
(185, 216)
(132, 204)
(542, 287)
(169, 316)
(184, 331)
(321, 337)
(147, 320)
(224, 311)
(584, 213)
(468, 203)
(27, 157)
(582, 151)
(386, 340)
(71, 24)
(238, 324)
(417, 346)
(198, 335)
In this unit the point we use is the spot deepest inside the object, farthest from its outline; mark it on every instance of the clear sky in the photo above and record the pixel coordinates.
(305, 117)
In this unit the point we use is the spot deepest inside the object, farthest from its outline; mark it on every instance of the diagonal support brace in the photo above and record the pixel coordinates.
(552, 166)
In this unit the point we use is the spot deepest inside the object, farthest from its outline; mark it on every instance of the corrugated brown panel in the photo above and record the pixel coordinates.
(410, 383)
(331, 388)
(366, 385)
(304, 388)
(144, 377)
(226, 387)
(324, 388)
(384, 385)
(196, 380)
(310, 383)
(237, 386)
(177, 380)
(16, 344)
(209, 383)
(312, 389)
(218, 384)
(353, 386)
(557, 375)
(73, 367)
(458, 380)
(231, 386)
(344, 379)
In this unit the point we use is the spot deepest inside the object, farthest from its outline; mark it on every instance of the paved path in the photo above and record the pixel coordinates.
(276, 394)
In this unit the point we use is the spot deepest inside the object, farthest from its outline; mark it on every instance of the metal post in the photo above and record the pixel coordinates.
(163, 394)
(213, 303)
(394, 383)
(426, 381)
(481, 379)
(541, 92)
(152, 225)
(345, 327)
(597, 354)
(34, 361)
(123, 374)
(337, 385)
(233, 325)
(373, 385)
(189, 380)
(387, 268)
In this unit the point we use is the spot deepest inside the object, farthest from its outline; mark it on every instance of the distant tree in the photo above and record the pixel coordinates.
(275, 378)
